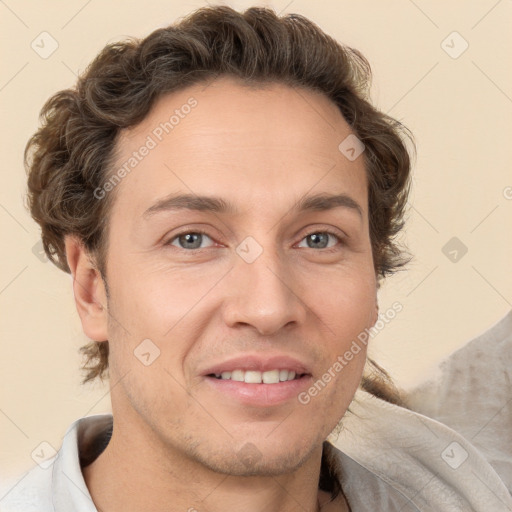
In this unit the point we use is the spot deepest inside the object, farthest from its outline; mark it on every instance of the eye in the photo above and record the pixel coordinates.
(189, 240)
(320, 239)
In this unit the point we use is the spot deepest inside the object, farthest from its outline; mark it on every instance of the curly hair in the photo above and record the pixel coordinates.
(72, 153)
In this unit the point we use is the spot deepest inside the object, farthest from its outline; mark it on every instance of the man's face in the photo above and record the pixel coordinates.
(264, 280)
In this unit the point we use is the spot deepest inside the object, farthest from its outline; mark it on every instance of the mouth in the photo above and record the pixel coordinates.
(258, 379)
(258, 389)
(272, 377)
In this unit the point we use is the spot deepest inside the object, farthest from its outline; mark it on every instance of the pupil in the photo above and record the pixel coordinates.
(316, 238)
(188, 239)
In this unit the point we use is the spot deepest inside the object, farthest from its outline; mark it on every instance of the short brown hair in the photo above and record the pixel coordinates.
(71, 154)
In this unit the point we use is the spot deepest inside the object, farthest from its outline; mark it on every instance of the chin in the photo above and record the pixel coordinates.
(259, 458)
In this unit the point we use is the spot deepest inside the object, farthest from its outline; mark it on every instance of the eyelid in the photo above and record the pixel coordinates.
(315, 228)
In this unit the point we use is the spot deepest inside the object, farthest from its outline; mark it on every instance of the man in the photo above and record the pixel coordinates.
(226, 199)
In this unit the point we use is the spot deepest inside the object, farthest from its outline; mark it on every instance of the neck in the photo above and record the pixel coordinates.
(135, 472)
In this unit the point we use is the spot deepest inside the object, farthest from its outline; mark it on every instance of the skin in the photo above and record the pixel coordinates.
(177, 444)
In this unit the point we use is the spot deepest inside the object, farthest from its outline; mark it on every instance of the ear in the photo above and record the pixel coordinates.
(89, 290)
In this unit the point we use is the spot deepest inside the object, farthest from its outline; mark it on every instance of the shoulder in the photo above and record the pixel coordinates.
(394, 459)
(57, 484)
(470, 393)
(29, 492)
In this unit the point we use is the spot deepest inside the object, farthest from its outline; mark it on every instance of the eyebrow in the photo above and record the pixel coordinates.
(317, 202)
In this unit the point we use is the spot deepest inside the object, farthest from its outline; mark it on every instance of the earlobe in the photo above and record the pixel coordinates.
(89, 290)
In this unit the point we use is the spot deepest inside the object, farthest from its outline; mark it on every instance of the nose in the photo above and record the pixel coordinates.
(264, 295)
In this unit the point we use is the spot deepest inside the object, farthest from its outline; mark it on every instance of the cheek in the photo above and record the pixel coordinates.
(152, 297)
(343, 367)
(346, 312)
(156, 311)
(346, 302)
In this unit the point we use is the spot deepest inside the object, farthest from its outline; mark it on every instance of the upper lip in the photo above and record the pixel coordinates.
(259, 363)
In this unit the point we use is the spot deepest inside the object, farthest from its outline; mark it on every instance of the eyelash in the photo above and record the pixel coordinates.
(201, 232)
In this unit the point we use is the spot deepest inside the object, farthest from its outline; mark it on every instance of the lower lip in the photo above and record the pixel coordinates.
(263, 395)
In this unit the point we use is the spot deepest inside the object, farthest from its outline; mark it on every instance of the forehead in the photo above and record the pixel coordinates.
(260, 144)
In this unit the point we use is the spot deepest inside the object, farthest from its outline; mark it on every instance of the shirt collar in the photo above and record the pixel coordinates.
(69, 491)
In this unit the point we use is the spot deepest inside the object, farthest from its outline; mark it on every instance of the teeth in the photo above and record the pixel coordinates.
(252, 377)
(270, 377)
(255, 377)
(237, 375)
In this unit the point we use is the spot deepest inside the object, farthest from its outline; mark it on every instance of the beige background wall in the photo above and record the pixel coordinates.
(460, 110)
